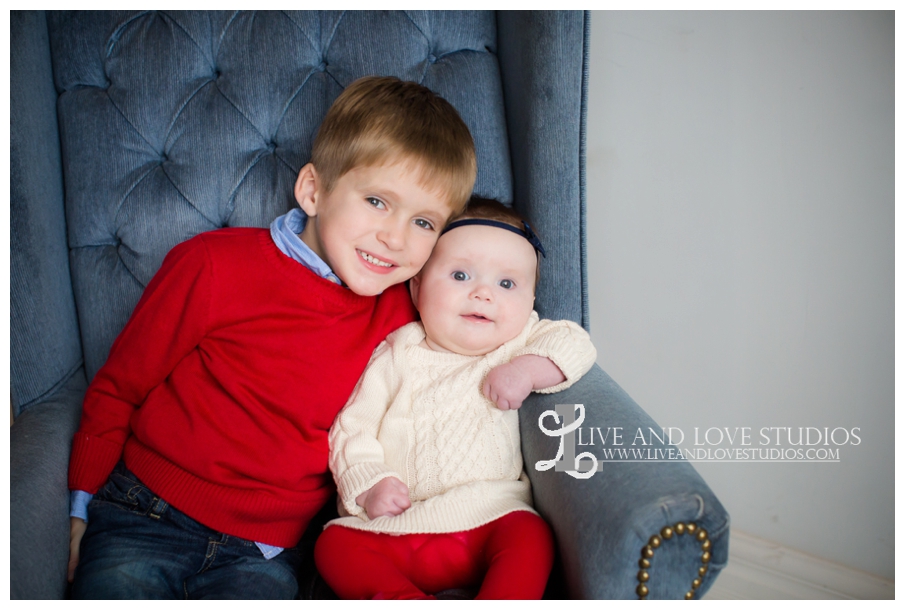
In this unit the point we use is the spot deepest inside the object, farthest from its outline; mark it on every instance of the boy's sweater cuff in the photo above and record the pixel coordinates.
(91, 462)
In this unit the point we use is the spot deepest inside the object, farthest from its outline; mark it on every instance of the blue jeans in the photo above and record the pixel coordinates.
(139, 547)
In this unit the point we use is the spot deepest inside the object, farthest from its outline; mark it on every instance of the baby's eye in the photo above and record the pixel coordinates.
(424, 224)
(507, 284)
(459, 276)
(377, 203)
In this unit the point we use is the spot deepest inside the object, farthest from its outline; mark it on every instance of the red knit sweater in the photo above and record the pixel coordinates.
(221, 389)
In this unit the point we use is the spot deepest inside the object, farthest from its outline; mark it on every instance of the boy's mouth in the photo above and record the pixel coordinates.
(373, 260)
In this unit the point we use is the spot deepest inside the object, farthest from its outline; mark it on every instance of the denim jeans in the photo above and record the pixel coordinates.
(139, 547)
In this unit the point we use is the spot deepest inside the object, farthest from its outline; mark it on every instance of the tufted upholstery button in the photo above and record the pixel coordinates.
(432, 58)
(322, 67)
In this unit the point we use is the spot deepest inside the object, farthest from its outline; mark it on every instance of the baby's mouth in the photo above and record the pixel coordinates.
(373, 259)
(476, 317)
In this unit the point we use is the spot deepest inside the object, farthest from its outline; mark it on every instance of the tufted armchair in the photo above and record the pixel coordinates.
(134, 131)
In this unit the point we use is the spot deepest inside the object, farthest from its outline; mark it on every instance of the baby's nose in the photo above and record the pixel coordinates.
(482, 292)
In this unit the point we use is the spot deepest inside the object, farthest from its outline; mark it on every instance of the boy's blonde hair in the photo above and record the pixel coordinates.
(383, 119)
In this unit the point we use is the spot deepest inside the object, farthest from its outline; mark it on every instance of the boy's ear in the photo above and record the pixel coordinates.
(306, 189)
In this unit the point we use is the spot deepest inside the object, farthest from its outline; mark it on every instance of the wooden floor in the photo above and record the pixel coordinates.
(760, 569)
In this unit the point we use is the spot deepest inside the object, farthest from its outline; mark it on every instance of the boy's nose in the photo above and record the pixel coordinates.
(392, 235)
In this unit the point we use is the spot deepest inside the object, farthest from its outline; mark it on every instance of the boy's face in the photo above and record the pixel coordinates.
(377, 226)
(477, 290)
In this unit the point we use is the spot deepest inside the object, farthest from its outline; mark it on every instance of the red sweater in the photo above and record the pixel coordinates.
(221, 389)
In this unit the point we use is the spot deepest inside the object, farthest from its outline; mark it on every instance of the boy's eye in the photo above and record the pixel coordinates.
(424, 224)
(459, 276)
(507, 284)
(377, 203)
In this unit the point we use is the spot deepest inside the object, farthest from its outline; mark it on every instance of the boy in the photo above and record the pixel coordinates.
(204, 436)
(426, 455)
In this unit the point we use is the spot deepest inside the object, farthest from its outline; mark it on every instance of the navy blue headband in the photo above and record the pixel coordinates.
(528, 234)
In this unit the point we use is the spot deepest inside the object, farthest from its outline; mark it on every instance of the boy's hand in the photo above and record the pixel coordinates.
(509, 384)
(77, 529)
(388, 498)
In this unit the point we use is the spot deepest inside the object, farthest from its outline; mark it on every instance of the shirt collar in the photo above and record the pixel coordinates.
(285, 231)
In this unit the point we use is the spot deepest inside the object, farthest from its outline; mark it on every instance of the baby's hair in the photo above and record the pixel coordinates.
(379, 120)
(490, 209)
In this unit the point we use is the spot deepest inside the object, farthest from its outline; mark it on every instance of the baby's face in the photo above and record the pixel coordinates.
(476, 291)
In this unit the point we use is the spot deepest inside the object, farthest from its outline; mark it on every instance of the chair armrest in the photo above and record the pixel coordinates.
(603, 523)
(40, 441)
(44, 332)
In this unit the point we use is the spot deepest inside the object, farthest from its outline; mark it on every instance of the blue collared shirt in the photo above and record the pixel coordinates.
(285, 231)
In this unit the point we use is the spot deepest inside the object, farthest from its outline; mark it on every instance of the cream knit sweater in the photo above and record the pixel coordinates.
(419, 415)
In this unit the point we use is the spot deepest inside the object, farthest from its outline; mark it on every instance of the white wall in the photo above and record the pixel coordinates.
(741, 250)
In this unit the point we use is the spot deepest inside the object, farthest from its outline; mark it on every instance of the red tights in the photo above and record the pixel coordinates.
(509, 558)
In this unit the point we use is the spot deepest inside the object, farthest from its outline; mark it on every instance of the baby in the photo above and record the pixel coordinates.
(426, 454)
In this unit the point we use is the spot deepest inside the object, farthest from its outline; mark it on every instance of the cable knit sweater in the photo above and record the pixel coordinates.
(419, 415)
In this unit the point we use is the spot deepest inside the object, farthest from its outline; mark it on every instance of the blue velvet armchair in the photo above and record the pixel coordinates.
(134, 131)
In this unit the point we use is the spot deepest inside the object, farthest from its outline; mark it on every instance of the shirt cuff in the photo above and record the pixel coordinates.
(78, 504)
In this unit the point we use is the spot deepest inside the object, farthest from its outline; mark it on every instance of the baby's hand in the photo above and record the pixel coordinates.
(509, 384)
(388, 498)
